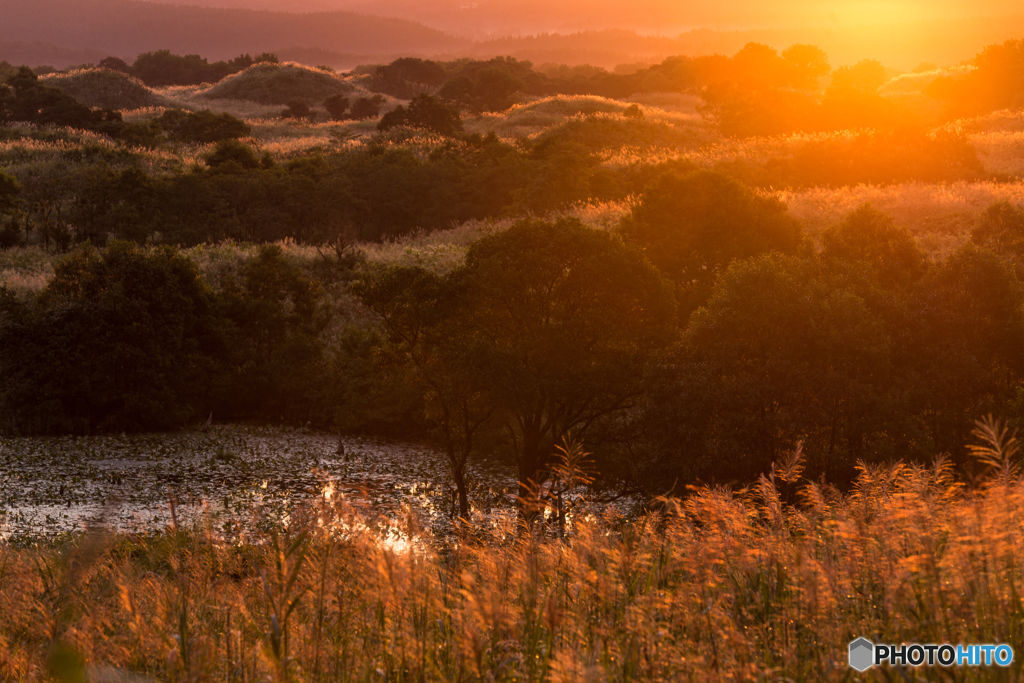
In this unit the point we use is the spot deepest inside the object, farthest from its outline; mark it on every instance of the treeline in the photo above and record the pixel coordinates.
(382, 191)
(491, 85)
(162, 68)
(709, 339)
(757, 91)
(704, 339)
(24, 99)
(133, 339)
(997, 82)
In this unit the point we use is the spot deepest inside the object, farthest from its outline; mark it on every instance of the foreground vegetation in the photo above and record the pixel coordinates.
(789, 571)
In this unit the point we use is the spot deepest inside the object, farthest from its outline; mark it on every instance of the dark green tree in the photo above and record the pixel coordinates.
(780, 354)
(426, 113)
(10, 231)
(424, 317)
(1001, 228)
(869, 239)
(693, 226)
(276, 315)
(565, 319)
(121, 340)
(337, 107)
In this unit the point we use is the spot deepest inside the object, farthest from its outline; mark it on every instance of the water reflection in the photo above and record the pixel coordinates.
(230, 479)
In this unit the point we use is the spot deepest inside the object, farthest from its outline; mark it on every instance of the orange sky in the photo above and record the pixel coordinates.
(666, 16)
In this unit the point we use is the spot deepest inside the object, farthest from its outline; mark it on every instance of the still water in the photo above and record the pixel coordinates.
(229, 478)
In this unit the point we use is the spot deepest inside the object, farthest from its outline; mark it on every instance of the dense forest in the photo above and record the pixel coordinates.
(701, 337)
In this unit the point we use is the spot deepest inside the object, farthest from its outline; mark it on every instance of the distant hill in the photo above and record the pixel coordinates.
(483, 19)
(902, 46)
(70, 32)
(126, 28)
(37, 54)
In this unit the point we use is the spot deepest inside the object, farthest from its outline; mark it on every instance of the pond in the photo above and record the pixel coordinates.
(229, 477)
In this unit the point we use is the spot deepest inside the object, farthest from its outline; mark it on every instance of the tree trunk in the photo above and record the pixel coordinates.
(459, 475)
(529, 470)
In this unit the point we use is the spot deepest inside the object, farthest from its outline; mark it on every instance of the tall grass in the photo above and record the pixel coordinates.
(940, 215)
(767, 583)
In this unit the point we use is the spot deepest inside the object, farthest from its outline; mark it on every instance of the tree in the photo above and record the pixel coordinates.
(423, 314)
(870, 239)
(965, 347)
(693, 226)
(408, 77)
(758, 66)
(30, 101)
(426, 113)
(232, 155)
(10, 188)
(337, 107)
(120, 340)
(805, 64)
(865, 78)
(546, 329)
(202, 126)
(781, 353)
(297, 109)
(115, 64)
(276, 315)
(1001, 228)
(565, 320)
(367, 107)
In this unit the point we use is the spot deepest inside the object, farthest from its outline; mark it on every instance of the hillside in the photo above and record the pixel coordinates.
(38, 53)
(126, 28)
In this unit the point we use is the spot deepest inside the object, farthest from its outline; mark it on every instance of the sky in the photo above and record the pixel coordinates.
(666, 17)
(902, 34)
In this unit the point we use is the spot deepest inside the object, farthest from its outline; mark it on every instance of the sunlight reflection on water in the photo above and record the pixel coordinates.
(230, 479)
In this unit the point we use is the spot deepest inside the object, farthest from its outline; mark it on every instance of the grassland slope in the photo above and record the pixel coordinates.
(279, 84)
(104, 88)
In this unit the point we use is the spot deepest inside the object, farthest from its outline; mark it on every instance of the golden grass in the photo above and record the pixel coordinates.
(917, 82)
(941, 215)
(26, 270)
(104, 88)
(769, 583)
(1001, 151)
(279, 84)
(534, 117)
(753, 150)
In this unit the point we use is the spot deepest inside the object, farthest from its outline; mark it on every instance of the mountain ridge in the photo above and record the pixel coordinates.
(126, 28)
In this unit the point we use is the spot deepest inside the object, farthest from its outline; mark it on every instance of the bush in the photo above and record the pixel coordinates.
(337, 107)
(367, 107)
(202, 127)
(425, 113)
(232, 154)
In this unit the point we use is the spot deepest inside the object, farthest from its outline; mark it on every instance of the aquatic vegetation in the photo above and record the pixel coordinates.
(226, 476)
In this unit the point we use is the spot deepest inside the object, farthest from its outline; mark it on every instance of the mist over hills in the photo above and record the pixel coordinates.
(63, 33)
(36, 54)
(482, 19)
(125, 28)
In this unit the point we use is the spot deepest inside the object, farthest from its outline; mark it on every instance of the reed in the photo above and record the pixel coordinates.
(769, 582)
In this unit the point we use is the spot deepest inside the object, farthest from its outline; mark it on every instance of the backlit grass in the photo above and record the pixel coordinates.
(771, 582)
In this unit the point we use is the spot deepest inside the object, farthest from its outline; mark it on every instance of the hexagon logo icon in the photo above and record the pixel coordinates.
(862, 654)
